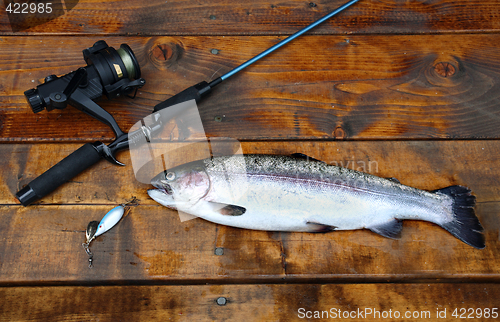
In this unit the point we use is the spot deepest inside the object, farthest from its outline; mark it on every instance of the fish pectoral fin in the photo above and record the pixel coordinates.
(391, 229)
(316, 227)
(227, 210)
(305, 157)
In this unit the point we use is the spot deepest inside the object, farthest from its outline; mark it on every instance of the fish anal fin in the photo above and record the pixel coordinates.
(305, 157)
(228, 210)
(184, 216)
(391, 229)
(316, 227)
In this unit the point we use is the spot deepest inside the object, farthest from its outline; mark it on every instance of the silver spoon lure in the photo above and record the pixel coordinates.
(109, 220)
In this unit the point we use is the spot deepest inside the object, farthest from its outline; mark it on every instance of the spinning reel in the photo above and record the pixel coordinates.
(109, 72)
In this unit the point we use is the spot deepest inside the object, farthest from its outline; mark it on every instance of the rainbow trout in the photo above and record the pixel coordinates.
(281, 193)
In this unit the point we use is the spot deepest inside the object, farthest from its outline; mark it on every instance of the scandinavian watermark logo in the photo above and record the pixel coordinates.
(27, 14)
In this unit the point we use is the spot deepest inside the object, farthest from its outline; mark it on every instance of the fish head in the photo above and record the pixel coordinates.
(182, 186)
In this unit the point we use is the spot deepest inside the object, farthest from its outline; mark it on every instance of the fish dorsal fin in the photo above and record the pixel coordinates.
(393, 179)
(391, 229)
(227, 210)
(305, 157)
(316, 227)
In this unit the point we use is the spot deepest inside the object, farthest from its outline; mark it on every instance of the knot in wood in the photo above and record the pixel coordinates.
(162, 52)
(445, 69)
(339, 133)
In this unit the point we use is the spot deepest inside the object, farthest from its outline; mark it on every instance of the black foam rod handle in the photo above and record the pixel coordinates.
(62, 172)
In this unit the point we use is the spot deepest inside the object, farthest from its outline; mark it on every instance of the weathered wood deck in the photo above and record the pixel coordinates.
(402, 89)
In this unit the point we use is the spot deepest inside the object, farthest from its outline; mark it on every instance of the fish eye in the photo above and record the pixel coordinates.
(170, 176)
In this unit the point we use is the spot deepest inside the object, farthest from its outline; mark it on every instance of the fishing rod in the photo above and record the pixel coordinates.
(91, 153)
(198, 91)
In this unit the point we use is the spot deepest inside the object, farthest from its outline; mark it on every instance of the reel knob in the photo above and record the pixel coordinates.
(34, 100)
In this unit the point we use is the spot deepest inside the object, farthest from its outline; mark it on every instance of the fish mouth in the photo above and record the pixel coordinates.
(162, 198)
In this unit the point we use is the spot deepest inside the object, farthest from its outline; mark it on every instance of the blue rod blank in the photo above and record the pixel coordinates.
(287, 40)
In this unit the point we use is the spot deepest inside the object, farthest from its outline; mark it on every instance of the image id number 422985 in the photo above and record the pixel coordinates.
(485, 313)
(27, 8)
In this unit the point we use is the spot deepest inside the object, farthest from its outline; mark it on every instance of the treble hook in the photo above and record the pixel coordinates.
(89, 253)
(90, 235)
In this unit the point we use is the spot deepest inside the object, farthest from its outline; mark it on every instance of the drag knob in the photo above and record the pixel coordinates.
(34, 100)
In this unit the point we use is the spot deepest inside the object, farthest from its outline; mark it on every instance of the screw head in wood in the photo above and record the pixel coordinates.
(221, 301)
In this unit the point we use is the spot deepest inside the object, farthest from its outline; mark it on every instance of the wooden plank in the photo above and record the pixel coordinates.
(226, 17)
(152, 244)
(353, 302)
(329, 87)
(422, 164)
(42, 245)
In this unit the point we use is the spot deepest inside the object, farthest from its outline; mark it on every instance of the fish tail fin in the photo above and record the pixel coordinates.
(465, 224)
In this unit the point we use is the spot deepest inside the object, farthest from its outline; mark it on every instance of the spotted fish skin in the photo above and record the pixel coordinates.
(282, 193)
